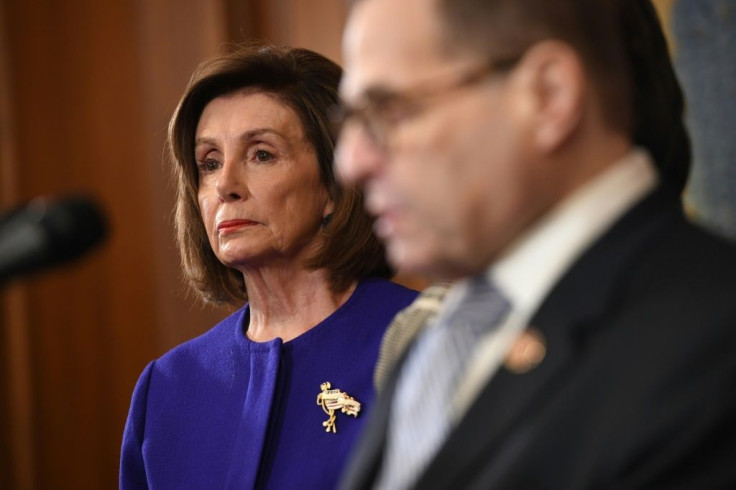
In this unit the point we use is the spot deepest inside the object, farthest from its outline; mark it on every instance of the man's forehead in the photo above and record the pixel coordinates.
(387, 43)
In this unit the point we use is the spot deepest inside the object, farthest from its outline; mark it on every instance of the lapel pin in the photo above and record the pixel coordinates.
(332, 400)
(527, 353)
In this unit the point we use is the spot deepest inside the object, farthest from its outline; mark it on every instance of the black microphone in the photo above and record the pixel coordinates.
(47, 232)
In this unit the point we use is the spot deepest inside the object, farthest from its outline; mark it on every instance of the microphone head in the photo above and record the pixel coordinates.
(47, 232)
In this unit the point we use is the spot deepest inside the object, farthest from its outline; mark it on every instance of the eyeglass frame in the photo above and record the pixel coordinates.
(373, 114)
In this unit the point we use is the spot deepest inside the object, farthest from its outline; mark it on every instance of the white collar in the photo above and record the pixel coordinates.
(542, 254)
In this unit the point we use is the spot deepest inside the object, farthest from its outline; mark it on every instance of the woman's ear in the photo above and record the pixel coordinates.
(552, 79)
(327, 215)
(326, 220)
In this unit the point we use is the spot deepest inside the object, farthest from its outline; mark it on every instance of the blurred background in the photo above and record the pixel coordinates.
(86, 92)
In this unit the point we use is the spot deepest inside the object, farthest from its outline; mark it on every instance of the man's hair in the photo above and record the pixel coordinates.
(307, 83)
(622, 47)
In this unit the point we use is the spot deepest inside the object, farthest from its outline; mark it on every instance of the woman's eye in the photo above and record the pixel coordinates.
(263, 156)
(208, 165)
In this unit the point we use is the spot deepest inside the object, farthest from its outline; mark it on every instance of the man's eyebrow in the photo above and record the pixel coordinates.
(377, 94)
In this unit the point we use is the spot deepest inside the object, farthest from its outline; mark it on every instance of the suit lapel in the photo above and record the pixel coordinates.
(581, 297)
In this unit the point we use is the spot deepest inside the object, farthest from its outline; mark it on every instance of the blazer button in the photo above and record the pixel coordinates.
(527, 353)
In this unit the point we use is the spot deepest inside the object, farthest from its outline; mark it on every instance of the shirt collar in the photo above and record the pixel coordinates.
(542, 254)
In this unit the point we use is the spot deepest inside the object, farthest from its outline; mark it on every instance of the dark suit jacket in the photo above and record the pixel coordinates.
(638, 387)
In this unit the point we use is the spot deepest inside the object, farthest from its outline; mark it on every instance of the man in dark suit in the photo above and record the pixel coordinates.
(532, 153)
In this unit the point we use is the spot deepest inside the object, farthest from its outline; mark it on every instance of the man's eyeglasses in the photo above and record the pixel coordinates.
(382, 111)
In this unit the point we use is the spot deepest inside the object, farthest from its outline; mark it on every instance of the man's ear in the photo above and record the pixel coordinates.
(552, 80)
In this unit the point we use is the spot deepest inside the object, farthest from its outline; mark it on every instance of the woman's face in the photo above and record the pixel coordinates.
(260, 192)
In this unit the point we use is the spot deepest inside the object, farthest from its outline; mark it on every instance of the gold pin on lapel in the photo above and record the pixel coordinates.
(332, 400)
(527, 353)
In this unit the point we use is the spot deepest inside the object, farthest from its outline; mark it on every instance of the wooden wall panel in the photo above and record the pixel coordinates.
(313, 24)
(93, 85)
(77, 121)
(15, 385)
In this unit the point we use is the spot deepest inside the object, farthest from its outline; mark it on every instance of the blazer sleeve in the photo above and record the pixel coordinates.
(132, 466)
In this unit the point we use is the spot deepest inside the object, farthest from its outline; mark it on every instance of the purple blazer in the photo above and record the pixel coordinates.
(221, 411)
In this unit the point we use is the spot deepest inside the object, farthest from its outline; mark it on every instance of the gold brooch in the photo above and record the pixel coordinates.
(332, 400)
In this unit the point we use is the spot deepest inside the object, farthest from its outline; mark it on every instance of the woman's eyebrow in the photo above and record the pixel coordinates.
(247, 135)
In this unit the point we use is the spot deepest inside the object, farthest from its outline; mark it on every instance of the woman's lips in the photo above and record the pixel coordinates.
(234, 225)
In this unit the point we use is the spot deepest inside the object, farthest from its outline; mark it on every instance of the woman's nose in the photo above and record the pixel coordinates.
(231, 183)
